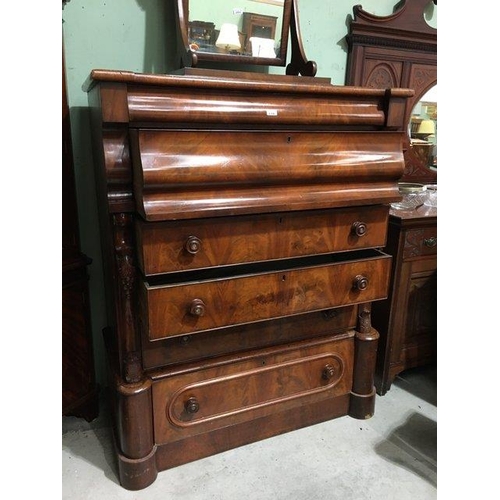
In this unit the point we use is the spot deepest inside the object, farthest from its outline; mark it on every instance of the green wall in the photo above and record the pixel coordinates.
(139, 35)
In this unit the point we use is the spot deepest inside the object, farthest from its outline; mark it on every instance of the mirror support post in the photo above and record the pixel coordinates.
(299, 63)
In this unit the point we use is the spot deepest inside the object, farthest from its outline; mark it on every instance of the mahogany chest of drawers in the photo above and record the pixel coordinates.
(241, 220)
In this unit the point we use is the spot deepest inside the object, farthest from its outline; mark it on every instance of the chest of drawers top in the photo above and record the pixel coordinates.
(191, 146)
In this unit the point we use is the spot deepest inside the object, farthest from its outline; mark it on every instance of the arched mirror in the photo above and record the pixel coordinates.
(249, 32)
(423, 129)
(400, 50)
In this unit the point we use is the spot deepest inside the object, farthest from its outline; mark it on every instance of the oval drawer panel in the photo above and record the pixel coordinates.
(165, 247)
(258, 384)
(221, 397)
(190, 307)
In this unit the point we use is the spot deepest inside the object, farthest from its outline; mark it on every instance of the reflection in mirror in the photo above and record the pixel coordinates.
(247, 28)
(423, 129)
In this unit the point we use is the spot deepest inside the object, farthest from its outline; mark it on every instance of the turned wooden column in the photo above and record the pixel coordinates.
(362, 402)
(133, 412)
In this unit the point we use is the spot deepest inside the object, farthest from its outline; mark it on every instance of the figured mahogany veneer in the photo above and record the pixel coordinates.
(242, 218)
(189, 403)
(185, 307)
(206, 173)
(196, 244)
(209, 344)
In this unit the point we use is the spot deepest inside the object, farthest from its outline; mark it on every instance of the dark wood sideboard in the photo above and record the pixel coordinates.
(408, 317)
(242, 218)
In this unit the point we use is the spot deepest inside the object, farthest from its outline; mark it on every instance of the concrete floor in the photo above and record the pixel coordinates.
(393, 455)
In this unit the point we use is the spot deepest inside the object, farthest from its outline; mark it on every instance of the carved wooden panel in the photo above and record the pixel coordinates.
(383, 75)
(421, 320)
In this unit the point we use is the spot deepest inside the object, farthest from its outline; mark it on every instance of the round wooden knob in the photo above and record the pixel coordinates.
(359, 228)
(192, 405)
(192, 245)
(360, 282)
(328, 372)
(197, 307)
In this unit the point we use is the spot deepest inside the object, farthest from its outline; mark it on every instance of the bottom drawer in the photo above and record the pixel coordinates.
(226, 392)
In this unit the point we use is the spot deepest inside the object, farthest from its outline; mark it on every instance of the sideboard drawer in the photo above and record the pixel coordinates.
(195, 244)
(314, 284)
(263, 382)
(420, 242)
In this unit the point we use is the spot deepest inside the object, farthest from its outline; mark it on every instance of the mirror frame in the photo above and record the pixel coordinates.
(399, 50)
(298, 64)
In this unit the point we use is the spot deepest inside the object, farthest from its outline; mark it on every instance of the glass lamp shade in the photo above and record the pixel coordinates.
(228, 37)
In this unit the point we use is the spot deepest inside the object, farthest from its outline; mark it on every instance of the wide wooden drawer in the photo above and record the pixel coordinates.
(227, 392)
(201, 243)
(285, 288)
(237, 339)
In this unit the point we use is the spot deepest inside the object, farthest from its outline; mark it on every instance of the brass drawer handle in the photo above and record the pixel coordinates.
(360, 282)
(192, 245)
(192, 405)
(430, 242)
(359, 228)
(328, 372)
(197, 308)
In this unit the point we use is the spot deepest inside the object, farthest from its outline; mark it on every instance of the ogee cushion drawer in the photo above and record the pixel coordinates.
(190, 174)
(195, 400)
(289, 288)
(196, 244)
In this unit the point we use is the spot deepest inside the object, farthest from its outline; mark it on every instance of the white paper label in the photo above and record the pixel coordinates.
(271, 112)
